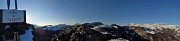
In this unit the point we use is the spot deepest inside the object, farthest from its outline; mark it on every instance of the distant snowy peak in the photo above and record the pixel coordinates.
(55, 27)
(132, 24)
(156, 26)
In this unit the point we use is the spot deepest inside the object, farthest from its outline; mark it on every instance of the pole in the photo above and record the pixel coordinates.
(8, 4)
(16, 5)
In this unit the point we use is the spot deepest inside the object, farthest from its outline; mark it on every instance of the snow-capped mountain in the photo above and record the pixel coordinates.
(97, 32)
(162, 32)
(158, 27)
(55, 27)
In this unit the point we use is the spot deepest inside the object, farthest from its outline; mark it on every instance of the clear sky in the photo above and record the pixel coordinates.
(123, 12)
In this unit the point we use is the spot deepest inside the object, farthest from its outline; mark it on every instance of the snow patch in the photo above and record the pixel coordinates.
(98, 28)
(27, 36)
(104, 32)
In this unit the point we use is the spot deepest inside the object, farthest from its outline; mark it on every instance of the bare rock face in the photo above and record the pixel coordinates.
(140, 31)
(97, 32)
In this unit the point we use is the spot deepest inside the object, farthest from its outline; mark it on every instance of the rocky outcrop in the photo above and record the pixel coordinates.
(97, 32)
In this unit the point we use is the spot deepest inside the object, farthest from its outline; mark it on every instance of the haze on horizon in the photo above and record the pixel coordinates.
(123, 12)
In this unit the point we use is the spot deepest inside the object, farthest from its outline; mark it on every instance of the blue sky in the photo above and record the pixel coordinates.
(123, 12)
